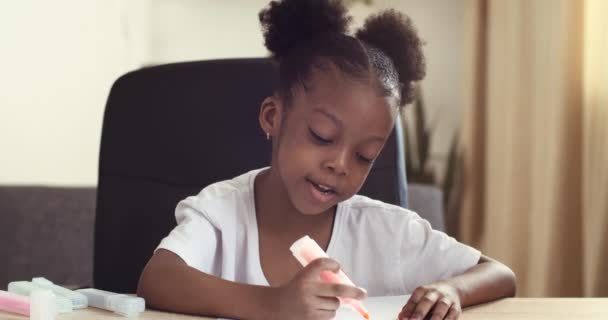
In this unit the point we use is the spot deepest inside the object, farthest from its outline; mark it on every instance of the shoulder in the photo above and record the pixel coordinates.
(222, 200)
(229, 188)
(363, 215)
(359, 205)
(238, 187)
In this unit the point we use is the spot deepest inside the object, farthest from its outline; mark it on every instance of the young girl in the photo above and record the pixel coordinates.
(335, 107)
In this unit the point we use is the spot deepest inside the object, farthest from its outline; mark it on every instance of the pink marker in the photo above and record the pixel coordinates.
(14, 303)
(307, 250)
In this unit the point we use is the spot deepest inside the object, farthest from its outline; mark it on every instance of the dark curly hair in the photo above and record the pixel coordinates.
(306, 34)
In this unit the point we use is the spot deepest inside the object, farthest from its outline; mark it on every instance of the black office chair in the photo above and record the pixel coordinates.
(171, 130)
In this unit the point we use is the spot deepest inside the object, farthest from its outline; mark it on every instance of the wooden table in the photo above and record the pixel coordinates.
(540, 309)
(511, 309)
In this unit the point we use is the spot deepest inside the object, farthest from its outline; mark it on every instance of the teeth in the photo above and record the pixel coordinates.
(322, 188)
(326, 188)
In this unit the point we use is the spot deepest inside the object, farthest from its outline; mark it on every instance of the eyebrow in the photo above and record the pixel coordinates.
(338, 122)
(329, 115)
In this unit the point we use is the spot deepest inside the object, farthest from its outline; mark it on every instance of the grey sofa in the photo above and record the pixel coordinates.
(48, 231)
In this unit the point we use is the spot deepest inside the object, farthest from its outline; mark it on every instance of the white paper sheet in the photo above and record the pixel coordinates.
(380, 308)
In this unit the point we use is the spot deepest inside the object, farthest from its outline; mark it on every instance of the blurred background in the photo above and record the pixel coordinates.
(511, 121)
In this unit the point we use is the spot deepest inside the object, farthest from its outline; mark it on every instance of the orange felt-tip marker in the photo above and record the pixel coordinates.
(307, 250)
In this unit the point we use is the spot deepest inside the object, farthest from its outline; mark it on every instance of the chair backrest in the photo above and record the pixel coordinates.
(171, 130)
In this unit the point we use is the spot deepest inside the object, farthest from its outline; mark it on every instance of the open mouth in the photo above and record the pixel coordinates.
(321, 188)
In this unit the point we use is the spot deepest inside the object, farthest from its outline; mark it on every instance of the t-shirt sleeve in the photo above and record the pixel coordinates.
(429, 255)
(195, 239)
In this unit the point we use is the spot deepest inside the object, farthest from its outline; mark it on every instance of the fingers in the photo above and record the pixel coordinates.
(441, 309)
(410, 306)
(431, 304)
(328, 303)
(310, 274)
(313, 269)
(316, 314)
(324, 315)
(424, 305)
(325, 308)
(453, 313)
(426, 302)
(340, 290)
(407, 310)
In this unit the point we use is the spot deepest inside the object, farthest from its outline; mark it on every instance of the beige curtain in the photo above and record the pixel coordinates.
(535, 142)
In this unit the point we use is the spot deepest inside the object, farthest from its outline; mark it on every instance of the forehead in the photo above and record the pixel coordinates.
(354, 102)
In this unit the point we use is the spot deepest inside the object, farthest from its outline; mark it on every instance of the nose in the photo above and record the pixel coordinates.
(337, 162)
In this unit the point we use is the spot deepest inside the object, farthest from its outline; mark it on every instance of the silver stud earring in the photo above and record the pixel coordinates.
(267, 136)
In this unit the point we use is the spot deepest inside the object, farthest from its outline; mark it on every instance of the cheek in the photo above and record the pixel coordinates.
(296, 148)
(357, 179)
(294, 156)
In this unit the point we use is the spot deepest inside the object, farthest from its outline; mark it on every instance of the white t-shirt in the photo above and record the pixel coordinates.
(383, 248)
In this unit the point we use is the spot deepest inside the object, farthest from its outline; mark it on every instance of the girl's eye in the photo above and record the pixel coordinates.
(364, 159)
(318, 138)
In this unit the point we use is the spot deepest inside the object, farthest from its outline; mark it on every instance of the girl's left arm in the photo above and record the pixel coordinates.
(488, 280)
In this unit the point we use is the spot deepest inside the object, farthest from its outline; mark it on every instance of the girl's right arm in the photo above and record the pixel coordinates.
(168, 283)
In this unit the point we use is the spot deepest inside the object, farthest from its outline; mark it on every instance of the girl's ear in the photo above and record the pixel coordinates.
(271, 111)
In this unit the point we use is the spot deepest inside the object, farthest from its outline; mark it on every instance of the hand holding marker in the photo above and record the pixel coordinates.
(307, 250)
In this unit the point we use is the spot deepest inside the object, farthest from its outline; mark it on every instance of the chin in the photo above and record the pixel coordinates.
(309, 209)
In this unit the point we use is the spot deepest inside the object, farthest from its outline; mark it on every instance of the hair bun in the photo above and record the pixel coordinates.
(394, 34)
(286, 23)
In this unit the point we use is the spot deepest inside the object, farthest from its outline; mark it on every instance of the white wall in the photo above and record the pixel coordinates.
(59, 58)
(57, 61)
(181, 30)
